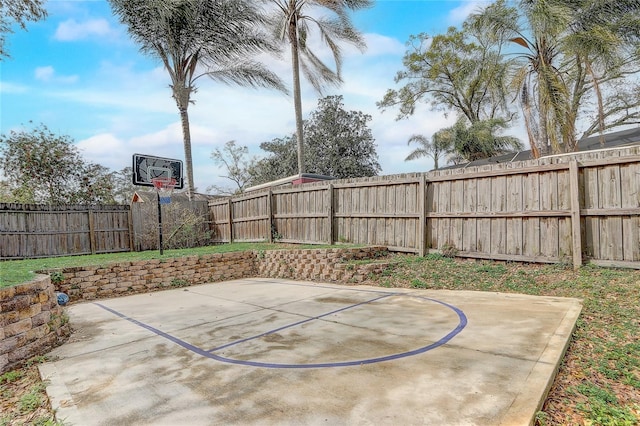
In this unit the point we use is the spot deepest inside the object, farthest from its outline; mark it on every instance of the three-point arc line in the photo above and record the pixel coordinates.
(210, 353)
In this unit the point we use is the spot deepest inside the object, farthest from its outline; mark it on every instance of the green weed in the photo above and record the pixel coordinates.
(11, 376)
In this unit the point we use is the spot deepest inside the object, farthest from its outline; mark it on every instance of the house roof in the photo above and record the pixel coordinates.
(611, 140)
(304, 177)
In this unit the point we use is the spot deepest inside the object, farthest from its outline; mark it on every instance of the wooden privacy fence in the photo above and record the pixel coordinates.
(31, 231)
(558, 209)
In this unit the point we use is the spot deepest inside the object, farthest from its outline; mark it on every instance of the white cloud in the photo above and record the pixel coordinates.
(12, 88)
(377, 45)
(71, 29)
(105, 149)
(48, 74)
(460, 13)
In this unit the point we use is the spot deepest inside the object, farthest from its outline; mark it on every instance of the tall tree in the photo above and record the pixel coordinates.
(343, 144)
(41, 167)
(293, 22)
(196, 38)
(570, 51)
(440, 145)
(123, 187)
(235, 161)
(18, 12)
(462, 71)
(281, 161)
(339, 144)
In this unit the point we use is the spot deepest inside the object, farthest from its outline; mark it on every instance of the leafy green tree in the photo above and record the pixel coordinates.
(281, 161)
(570, 53)
(122, 185)
(235, 161)
(196, 38)
(339, 144)
(41, 167)
(340, 141)
(462, 71)
(18, 12)
(293, 22)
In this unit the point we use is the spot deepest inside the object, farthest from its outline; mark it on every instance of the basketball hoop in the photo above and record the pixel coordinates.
(164, 186)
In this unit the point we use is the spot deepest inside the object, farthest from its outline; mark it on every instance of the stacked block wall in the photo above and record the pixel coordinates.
(31, 322)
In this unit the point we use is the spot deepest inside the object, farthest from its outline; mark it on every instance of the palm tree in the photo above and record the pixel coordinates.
(440, 145)
(464, 142)
(196, 38)
(564, 43)
(293, 21)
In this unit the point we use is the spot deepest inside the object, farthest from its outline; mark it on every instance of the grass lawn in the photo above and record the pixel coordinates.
(598, 382)
(14, 272)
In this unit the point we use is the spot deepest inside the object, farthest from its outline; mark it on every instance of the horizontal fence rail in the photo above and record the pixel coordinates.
(562, 209)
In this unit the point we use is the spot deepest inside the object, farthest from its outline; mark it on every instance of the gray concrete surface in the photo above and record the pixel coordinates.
(267, 351)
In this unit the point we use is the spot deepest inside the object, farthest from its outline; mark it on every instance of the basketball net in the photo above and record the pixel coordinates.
(164, 186)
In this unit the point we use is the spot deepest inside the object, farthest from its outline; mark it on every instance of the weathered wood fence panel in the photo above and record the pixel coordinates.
(31, 231)
(557, 209)
(242, 219)
(377, 211)
(301, 215)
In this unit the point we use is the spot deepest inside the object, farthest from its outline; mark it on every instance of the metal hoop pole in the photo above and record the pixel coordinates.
(159, 223)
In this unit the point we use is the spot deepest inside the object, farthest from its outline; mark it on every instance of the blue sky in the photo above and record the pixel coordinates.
(79, 73)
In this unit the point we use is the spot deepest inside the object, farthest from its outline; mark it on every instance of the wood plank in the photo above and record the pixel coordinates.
(422, 224)
(609, 194)
(483, 226)
(498, 204)
(576, 231)
(531, 224)
(630, 188)
(470, 198)
(591, 203)
(514, 202)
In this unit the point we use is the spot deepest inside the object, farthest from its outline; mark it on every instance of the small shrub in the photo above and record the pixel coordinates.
(32, 400)
(176, 282)
(449, 250)
(57, 277)
(275, 235)
(10, 376)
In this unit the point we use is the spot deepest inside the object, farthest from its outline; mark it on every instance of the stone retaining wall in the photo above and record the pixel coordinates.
(31, 322)
(322, 264)
(100, 282)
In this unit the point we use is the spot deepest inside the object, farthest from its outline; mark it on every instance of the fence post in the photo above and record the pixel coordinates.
(229, 210)
(575, 214)
(130, 218)
(92, 232)
(270, 214)
(330, 215)
(422, 226)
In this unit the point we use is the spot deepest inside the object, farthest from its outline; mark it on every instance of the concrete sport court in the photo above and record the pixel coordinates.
(272, 351)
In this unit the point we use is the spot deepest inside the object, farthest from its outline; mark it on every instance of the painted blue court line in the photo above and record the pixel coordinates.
(459, 327)
(297, 323)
